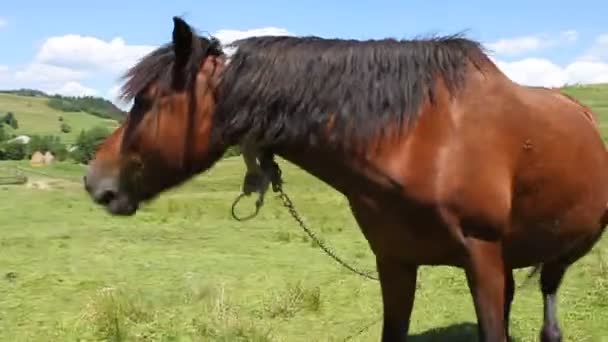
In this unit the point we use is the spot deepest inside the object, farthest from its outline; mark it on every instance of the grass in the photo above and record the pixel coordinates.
(183, 270)
(36, 117)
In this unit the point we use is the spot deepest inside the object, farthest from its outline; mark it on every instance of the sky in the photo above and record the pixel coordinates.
(83, 47)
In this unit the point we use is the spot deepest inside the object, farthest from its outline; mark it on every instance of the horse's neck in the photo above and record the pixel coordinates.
(342, 172)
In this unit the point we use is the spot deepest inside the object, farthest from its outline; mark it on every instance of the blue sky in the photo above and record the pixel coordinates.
(75, 46)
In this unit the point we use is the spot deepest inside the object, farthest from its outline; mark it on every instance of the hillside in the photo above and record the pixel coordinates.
(596, 97)
(35, 116)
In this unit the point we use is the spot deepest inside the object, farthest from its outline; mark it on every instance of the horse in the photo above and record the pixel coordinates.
(444, 160)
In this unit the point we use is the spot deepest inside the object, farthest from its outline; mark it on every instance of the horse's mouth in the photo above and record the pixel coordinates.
(121, 205)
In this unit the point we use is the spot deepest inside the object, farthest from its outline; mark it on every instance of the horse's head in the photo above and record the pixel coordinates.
(166, 138)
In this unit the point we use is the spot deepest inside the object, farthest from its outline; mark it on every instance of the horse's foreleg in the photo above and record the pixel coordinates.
(488, 281)
(509, 294)
(398, 283)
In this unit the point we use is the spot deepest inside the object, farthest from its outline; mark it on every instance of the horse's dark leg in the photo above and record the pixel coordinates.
(398, 283)
(509, 293)
(487, 279)
(550, 278)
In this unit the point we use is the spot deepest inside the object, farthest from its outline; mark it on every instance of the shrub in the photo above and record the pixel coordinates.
(11, 120)
(46, 143)
(65, 128)
(88, 142)
(13, 151)
(3, 134)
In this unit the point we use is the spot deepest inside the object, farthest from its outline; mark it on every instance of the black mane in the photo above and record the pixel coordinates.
(157, 66)
(287, 89)
(283, 89)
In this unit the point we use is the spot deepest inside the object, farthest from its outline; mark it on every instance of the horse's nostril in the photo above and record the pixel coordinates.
(106, 197)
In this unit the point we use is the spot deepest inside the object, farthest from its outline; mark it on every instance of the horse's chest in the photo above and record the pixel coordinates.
(414, 235)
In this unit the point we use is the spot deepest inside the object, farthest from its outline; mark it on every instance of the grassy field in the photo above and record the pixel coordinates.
(595, 96)
(36, 117)
(184, 270)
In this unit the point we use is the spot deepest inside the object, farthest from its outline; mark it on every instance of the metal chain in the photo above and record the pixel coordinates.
(287, 203)
(272, 169)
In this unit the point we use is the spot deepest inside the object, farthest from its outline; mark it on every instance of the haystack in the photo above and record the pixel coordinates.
(49, 158)
(37, 159)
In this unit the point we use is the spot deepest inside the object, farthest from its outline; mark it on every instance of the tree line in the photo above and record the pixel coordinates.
(82, 151)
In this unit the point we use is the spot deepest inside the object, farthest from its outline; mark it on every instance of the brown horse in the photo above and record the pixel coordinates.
(444, 160)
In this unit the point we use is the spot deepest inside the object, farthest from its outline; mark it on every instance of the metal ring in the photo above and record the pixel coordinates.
(236, 201)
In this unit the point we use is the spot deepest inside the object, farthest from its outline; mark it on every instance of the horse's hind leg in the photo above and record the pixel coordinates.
(550, 278)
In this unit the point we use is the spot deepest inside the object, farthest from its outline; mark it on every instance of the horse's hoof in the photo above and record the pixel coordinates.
(551, 333)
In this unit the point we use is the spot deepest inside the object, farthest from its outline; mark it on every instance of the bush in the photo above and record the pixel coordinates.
(11, 120)
(65, 128)
(47, 143)
(13, 151)
(88, 142)
(3, 134)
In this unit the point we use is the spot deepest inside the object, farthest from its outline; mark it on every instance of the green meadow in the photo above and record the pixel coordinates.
(36, 117)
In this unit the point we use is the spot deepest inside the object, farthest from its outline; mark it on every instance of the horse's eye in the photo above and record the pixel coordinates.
(140, 106)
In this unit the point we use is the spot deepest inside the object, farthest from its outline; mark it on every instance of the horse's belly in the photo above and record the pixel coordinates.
(555, 222)
(421, 239)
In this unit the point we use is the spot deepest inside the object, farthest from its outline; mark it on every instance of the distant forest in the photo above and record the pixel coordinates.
(94, 105)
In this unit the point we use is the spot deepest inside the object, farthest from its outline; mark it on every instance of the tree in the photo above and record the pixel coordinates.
(11, 120)
(3, 134)
(46, 143)
(88, 142)
(13, 151)
(65, 128)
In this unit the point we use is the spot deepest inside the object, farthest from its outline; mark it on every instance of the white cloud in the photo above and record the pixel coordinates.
(569, 36)
(72, 88)
(64, 62)
(524, 44)
(514, 46)
(47, 75)
(229, 36)
(90, 53)
(226, 37)
(113, 95)
(3, 23)
(599, 49)
(543, 72)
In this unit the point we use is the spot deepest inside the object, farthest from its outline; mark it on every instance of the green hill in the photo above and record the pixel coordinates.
(35, 116)
(596, 97)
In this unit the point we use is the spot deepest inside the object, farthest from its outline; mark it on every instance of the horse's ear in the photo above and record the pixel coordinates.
(182, 41)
